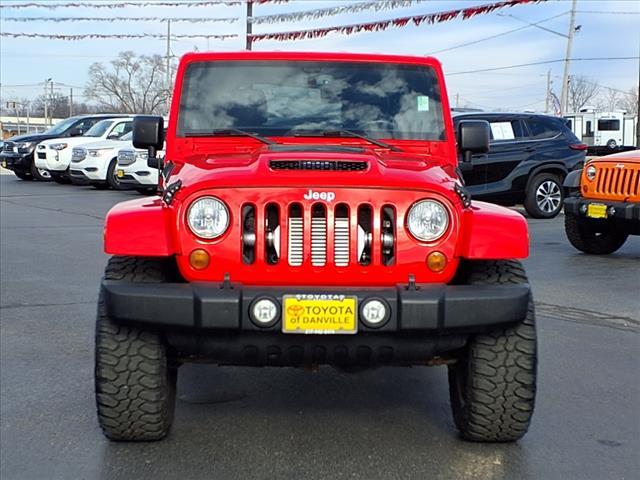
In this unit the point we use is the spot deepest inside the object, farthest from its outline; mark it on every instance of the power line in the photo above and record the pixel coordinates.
(546, 62)
(119, 19)
(604, 12)
(497, 35)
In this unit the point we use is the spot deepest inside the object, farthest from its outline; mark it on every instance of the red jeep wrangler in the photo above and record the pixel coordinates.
(311, 213)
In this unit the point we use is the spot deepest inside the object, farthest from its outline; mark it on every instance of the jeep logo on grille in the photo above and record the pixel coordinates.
(313, 195)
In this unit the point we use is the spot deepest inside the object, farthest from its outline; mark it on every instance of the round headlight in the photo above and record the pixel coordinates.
(208, 217)
(591, 172)
(427, 220)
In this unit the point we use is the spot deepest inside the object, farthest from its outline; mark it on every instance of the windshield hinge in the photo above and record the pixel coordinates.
(464, 195)
(170, 191)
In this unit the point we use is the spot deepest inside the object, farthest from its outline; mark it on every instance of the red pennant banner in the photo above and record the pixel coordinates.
(429, 18)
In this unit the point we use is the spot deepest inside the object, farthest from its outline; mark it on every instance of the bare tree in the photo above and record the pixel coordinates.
(581, 91)
(629, 101)
(129, 84)
(609, 100)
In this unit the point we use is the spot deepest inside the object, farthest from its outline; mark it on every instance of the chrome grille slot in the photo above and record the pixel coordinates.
(248, 234)
(365, 234)
(296, 236)
(387, 234)
(272, 234)
(341, 236)
(318, 235)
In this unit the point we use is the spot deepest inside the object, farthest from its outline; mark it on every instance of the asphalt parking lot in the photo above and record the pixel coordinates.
(285, 423)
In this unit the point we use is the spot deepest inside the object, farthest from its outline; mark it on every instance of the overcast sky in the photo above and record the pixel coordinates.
(613, 34)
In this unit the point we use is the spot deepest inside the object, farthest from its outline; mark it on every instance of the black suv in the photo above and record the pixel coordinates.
(17, 152)
(528, 159)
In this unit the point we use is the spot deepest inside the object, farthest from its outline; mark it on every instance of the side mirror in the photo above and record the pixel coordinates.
(473, 137)
(148, 134)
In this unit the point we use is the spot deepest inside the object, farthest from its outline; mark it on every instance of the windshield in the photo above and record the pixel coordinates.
(305, 98)
(61, 127)
(99, 129)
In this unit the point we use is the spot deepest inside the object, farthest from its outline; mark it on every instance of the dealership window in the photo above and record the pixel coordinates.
(506, 131)
(542, 128)
(608, 125)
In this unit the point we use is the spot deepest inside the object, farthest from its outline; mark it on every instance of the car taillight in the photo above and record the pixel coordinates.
(578, 146)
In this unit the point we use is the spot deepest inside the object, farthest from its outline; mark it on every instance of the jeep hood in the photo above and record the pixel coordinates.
(290, 166)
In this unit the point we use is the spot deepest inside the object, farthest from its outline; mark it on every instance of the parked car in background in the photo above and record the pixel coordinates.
(54, 155)
(133, 170)
(18, 152)
(95, 163)
(603, 206)
(529, 158)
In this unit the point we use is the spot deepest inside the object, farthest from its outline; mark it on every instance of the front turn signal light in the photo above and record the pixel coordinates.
(199, 259)
(436, 261)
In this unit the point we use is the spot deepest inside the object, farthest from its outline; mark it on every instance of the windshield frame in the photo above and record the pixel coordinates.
(62, 126)
(107, 121)
(441, 121)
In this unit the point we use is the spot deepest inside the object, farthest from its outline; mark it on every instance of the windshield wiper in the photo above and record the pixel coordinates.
(230, 132)
(352, 134)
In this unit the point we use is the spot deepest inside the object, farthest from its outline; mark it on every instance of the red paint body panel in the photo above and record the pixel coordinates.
(139, 228)
(236, 170)
(493, 232)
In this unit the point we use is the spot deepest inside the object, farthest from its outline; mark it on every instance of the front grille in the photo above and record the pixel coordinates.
(617, 182)
(319, 234)
(78, 155)
(126, 157)
(331, 165)
(8, 147)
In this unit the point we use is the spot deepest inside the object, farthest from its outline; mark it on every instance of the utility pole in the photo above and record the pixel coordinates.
(46, 101)
(71, 101)
(638, 109)
(249, 24)
(548, 97)
(567, 59)
(457, 100)
(51, 111)
(168, 65)
(28, 117)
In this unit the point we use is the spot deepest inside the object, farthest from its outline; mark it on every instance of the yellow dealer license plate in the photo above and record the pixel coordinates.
(596, 210)
(120, 173)
(320, 314)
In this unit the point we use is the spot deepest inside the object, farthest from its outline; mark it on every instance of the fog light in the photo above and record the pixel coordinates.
(199, 259)
(436, 261)
(374, 313)
(265, 312)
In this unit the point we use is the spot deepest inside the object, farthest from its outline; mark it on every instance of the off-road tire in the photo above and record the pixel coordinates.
(591, 241)
(35, 173)
(111, 176)
(492, 386)
(23, 176)
(135, 374)
(530, 201)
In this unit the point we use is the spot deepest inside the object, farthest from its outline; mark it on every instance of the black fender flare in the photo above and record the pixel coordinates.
(572, 180)
(542, 168)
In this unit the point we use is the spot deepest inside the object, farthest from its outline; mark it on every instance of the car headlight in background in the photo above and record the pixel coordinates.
(208, 217)
(427, 220)
(591, 172)
(97, 152)
(25, 147)
(58, 146)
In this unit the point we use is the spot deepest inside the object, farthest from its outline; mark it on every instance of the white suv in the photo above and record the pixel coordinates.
(132, 170)
(95, 163)
(55, 155)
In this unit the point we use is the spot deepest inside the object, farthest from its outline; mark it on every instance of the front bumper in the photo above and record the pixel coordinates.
(52, 160)
(136, 176)
(213, 306)
(16, 161)
(78, 177)
(619, 212)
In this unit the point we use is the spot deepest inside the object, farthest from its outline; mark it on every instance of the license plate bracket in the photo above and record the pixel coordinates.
(320, 314)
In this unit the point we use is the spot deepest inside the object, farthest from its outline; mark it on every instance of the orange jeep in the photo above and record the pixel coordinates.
(602, 207)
